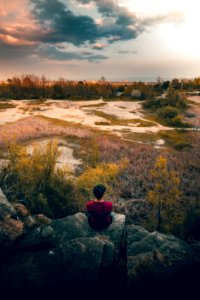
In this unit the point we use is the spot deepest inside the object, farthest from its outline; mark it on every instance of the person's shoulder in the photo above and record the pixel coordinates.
(90, 203)
(108, 203)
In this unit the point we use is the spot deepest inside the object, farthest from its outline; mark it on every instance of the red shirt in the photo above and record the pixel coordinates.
(99, 214)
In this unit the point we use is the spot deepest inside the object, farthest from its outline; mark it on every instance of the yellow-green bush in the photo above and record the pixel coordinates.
(103, 173)
(31, 178)
(165, 197)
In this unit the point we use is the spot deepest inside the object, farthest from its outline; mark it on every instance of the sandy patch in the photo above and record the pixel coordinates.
(65, 158)
(74, 111)
(194, 98)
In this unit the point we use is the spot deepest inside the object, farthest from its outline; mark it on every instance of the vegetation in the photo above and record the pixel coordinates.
(169, 110)
(166, 180)
(127, 169)
(165, 197)
(6, 105)
(33, 179)
(114, 120)
(33, 87)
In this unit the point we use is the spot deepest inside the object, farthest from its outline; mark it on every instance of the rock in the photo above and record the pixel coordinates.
(68, 247)
(155, 258)
(6, 209)
(47, 231)
(41, 219)
(39, 255)
(21, 210)
(30, 222)
(11, 227)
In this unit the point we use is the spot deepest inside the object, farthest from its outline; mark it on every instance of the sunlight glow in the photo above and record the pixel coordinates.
(180, 36)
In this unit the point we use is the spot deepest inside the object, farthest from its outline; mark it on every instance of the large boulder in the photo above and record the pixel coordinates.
(6, 209)
(11, 227)
(158, 261)
(62, 253)
(39, 255)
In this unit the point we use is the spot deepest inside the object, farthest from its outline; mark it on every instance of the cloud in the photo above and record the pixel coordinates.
(48, 26)
(126, 52)
(99, 46)
(51, 52)
(66, 26)
(13, 51)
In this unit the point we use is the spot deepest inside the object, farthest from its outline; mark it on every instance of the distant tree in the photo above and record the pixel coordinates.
(165, 85)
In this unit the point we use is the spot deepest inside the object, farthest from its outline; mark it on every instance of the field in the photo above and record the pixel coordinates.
(30, 119)
(113, 138)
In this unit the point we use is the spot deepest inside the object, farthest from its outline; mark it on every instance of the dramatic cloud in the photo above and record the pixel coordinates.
(44, 33)
(46, 24)
(66, 26)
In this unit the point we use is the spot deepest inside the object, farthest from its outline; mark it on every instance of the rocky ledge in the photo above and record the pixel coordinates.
(40, 256)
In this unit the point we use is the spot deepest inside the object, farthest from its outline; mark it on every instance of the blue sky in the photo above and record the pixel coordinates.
(87, 39)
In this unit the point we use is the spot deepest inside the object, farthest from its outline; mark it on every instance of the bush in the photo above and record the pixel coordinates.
(103, 173)
(33, 179)
(168, 112)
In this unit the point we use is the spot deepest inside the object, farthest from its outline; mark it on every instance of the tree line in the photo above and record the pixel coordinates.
(30, 86)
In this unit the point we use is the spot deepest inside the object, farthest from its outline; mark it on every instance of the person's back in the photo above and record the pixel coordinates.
(99, 211)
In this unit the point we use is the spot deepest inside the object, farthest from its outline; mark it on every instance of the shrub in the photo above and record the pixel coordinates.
(168, 112)
(103, 173)
(32, 178)
(165, 197)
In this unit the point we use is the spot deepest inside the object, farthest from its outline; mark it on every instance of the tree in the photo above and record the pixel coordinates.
(165, 196)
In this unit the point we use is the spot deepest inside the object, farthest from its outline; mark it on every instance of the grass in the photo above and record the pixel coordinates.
(102, 123)
(194, 103)
(146, 137)
(114, 120)
(176, 139)
(93, 105)
(6, 105)
(59, 122)
(38, 102)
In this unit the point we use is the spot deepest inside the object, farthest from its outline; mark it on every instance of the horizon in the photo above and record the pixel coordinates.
(87, 39)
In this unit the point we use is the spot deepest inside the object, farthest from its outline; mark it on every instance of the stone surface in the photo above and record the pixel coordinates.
(6, 209)
(155, 258)
(39, 255)
(21, 210)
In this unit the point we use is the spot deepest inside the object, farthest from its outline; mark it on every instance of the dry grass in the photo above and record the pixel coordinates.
(114, 120)
(6, 105)
(35, 127)
(93, 105)
(177, 139)
(102, 123)
(38, 102)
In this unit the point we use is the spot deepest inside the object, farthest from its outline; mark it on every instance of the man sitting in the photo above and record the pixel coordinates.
(98, 210)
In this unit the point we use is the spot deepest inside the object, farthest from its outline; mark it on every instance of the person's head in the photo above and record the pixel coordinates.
(99, 191)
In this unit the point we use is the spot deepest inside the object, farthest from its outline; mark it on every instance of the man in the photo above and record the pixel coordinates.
(98, 210)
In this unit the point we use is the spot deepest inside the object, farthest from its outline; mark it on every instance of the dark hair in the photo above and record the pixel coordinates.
(99, 190)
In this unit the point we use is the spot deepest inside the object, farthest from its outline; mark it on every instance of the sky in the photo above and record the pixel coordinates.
(88, 39)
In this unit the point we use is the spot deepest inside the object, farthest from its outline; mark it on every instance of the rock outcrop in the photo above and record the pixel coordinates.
(157, 261)
(52, 256)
